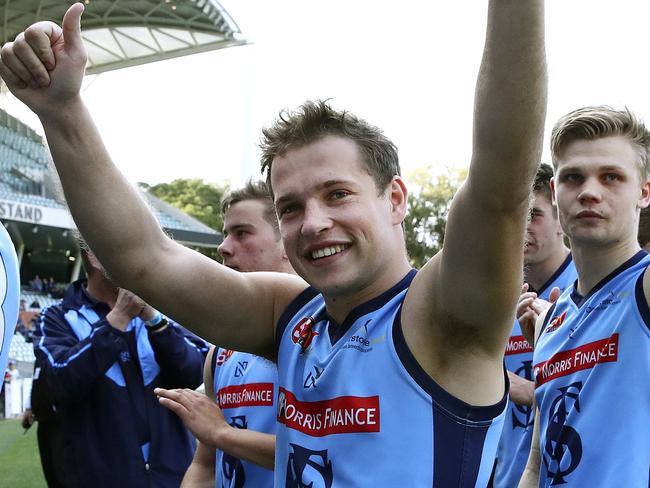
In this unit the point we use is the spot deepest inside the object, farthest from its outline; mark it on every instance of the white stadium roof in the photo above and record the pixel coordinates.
(122, 33)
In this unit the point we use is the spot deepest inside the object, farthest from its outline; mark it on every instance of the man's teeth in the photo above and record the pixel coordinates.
(326, 251)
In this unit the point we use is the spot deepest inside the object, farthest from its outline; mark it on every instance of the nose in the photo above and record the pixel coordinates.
(590, 191)
(225, 248)
(315, 219)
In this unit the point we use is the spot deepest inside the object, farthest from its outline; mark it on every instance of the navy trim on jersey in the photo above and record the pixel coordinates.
(213, 362)
(641, 301)
(450, 438)
(548, 316)
(292, 309)
(337, 331)
(441, 397)
(579, 299)
(567, 261)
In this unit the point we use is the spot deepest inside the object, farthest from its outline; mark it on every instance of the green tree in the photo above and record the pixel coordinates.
(195, 197)
(429, 202)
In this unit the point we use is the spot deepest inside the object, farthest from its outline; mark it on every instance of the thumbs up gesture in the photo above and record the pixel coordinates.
(44, 66)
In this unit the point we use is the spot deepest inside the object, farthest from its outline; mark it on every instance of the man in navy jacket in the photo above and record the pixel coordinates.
(105, 350)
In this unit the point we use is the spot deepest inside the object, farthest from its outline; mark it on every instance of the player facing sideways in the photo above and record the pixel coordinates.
(547, 265)
(383, 373)
(592, 356)
(242, 384)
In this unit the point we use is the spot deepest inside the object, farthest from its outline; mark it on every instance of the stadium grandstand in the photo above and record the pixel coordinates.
(118, 34)
(34, 213)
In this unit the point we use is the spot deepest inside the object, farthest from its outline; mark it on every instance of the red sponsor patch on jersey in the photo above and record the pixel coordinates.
(303, 334)
(556, 322)
(340, 415)
(583, 357)
(223, 356)
(249, 395)
(517, 345)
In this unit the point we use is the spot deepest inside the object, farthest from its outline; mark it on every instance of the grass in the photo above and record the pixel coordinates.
(20, 465)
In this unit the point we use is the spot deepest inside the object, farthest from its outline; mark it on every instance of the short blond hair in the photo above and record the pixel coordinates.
(596, 122)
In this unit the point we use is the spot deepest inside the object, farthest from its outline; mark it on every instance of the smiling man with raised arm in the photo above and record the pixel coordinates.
(375, 362)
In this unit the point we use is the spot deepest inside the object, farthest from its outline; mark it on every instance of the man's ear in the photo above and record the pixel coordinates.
(552, 185)
(398, 199)
(644, 198)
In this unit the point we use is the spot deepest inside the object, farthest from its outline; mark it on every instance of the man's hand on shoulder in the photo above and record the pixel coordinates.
(44, 66)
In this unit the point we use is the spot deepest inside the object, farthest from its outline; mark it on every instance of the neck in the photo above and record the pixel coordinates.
(341, 304)
(539, 273)
(101, 289)
(594, 263)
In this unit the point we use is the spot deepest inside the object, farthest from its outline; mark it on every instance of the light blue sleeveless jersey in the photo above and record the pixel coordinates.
(362, 412)
(9, 295)
(517, 434)
(245, 389)
(592, 374)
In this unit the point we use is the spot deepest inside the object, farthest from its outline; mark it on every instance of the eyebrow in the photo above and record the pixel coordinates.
(236, 227)
(323, 185)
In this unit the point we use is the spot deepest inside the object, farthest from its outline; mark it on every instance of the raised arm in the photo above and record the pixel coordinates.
(467, 293)
(486, 226)
(44, 68)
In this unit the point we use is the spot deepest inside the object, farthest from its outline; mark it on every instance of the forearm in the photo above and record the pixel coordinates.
(522, 391)
(118, 224)
(530, 477)
(510, 102)
(200, 474)
(249, 445)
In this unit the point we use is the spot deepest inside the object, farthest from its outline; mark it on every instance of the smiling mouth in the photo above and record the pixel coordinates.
(328, 251)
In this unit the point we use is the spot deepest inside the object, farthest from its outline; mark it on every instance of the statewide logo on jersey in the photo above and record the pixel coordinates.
(341, 415)
(584, 357)
(612, 299)
(303, 334)
(223, 356)
(563, 447)
(522, 415)
(307, 468)
(556, 322)
(517, 345)
(249, 395)
(231, 467)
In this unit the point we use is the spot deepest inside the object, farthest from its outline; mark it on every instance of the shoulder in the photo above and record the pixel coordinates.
(208, 372)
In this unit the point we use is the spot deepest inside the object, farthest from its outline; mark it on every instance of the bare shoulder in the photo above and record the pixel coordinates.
(283, 287)
(208, 378)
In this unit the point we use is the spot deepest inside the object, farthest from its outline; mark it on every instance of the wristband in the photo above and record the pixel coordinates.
(155, 320)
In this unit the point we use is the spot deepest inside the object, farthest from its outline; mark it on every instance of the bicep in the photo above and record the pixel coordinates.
(481, 268)
(232, 309)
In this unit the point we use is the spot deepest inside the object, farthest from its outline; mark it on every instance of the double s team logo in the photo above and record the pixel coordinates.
(308, 469)
(303, 333)
(562, 450)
